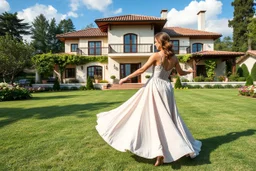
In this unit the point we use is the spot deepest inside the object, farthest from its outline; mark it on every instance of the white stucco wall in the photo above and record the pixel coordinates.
(114, 66)
(81, 71)
(208, 44)
(249, 62)
(68, 45)
(144, 32)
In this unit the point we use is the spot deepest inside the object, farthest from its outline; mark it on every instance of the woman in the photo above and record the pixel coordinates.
(149, 124)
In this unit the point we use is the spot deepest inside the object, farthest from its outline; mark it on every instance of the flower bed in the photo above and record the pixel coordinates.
(9, 92)
(248, 91)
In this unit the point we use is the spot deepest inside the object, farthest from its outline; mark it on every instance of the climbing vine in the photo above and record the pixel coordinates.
(183, 58)
(210, 67)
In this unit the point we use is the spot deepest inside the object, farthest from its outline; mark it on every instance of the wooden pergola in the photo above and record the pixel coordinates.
(223, 55)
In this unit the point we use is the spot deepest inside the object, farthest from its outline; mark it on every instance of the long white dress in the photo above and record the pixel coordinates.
(148, 124)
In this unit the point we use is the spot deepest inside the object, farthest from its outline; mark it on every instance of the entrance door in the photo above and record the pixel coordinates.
(127, 69)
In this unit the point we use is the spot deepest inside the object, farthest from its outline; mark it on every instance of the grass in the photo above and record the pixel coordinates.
(56, 131)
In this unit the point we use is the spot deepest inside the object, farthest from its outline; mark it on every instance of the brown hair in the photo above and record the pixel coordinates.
(164, 40)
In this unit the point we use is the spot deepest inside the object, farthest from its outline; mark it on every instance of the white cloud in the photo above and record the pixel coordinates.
(4, 6)
(29, 14)
(72, 14)
(118, 11)
(100, 5)
(74, 5)
(188, 16)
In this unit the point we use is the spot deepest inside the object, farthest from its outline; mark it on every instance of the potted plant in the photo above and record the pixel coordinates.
(113, 77)
(147, 76)
(97, 78)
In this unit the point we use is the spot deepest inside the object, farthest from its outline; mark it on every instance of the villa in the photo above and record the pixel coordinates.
(128, 42)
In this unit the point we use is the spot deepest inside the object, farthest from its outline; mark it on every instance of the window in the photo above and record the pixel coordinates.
(130, 43)
(197, 47)
(70, 73)
(94, 48)
(94, 70)
(74, 47)
(176, 45)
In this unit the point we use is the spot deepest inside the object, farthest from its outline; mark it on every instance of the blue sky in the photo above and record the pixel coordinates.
(181, 13)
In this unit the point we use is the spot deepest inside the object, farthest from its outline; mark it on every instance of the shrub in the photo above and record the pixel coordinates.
(228, 86)
(233, 77)
(207, 86)
(48, 89)
(14, 93)
(208, 79)
(217, 86)
(89, 84)
(113, 77)
(238, 86)
(245, 71)
(73, 88)
(184, 80)
(253, 72)
(221, 78)
(249, 81)
(199, 78)
(241, 79)
(82, 88)
(197, 86)
(240, 72)
(178, 83)
(56, 85)
(103, 81)
(64, 88)
(147, 76)
(71, 80)
(190, 86)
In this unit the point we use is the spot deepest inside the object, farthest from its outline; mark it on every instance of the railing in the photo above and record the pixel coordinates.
(126, 48)
(97, 51)
(131, 48)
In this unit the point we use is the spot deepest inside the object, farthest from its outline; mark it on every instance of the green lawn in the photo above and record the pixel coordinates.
(56, 131)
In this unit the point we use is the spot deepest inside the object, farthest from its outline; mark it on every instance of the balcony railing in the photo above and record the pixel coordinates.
(131, 48)
(124, 48)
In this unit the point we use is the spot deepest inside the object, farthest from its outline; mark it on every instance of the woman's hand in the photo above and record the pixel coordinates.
(191, 71)
(123, 80)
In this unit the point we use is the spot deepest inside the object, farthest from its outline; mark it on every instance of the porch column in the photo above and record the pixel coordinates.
(194, 68)
(233, 62)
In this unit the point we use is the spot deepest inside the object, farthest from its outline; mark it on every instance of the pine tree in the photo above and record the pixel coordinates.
(12, 25)
(66, 26)
(253, 72)
(39, 30)
(240, 72)
(178, 83)
(243, 12)
(245, 71)
(89, 84)
(249, 81)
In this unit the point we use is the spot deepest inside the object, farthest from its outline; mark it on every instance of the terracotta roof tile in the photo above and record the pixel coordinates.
(179, 32)
(131, 17)
(90, 32)
(218, 53)
(248, 53)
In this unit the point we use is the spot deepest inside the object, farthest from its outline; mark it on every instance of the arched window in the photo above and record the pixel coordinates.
(130, 43)
(197, 47)
(93, 71)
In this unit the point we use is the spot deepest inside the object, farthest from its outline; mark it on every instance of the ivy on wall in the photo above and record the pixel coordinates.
(183, 58)
(44, 63)
(210, 67)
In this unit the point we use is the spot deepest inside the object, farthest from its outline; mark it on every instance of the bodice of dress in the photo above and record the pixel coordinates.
(161, 73)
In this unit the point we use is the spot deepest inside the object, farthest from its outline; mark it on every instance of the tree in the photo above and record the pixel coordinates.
(252, 33)
(53, 44)
(245, 71)
(66, 26)
(243, 12)
(14, 56)
(91, 25)
(39, 30)
(10, 24)
(178, 83)
(249, 81)
(224, 45)
(253, 72)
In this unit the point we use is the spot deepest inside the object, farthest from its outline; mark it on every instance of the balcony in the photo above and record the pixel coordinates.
(125, 49)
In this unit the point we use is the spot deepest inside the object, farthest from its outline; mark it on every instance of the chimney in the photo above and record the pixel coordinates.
(164, 13)
(201, 20)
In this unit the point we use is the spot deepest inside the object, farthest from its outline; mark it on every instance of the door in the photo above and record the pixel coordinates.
(126, 69)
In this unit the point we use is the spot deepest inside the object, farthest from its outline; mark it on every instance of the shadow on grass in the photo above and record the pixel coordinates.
(11, 115)
(54, 97)
(209, 145)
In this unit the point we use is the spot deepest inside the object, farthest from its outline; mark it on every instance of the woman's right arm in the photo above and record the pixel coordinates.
(180, 71)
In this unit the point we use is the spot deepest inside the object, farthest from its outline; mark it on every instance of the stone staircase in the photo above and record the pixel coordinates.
(125, 86)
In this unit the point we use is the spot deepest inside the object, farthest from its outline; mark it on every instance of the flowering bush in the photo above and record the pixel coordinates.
(248, 91)
(10, 92)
